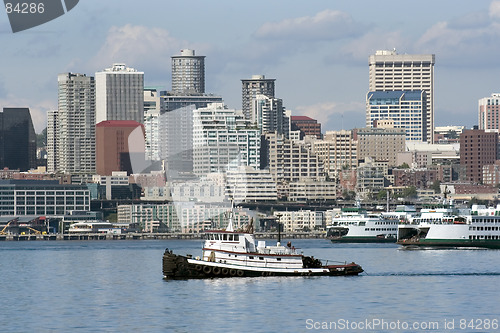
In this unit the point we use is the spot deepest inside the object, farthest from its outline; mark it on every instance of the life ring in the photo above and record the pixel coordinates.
(240, 273)
(207, 269)
(232, 272)
(225, 271)
(216, 270)
(198, 267)
(264, 273)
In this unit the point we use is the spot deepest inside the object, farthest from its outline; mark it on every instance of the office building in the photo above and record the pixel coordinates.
(250, 88)
(119, 94)
(71, 129)
(390, 71)
(405, 110)
(489, 112)
(477, 149)
(188, 73)
(338, 151)
(306, 126)
(42, 197)
(17, 139)
(119, 147)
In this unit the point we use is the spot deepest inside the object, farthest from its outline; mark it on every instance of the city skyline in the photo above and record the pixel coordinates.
(241, 40)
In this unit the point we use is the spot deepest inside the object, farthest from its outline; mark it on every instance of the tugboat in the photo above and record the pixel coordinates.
(230, 253)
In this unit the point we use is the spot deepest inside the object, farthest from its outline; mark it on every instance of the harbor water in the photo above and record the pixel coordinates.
(117, 286)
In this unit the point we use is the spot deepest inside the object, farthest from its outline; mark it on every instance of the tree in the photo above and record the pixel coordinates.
(436, 186)
(410, 192)
(404, 166)
(382, 194)
(41, 139)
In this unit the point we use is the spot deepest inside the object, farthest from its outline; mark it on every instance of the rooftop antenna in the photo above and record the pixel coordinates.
(230, 227)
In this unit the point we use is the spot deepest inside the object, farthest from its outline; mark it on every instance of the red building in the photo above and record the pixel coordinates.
(118, 143)
(477, 148)
(306, 125)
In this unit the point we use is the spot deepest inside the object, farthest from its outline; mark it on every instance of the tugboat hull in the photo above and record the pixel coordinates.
(181, 267)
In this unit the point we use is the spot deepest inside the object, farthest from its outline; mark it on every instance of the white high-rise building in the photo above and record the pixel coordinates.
(188, 73)
(268, 114)
(489, 112)
(119, 94)
(257, 85)
(71, 129)
(152, 123)
(390, 71)
(52, 141)
(222, 140)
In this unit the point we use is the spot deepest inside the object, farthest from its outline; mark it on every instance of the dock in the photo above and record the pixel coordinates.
(146, 236)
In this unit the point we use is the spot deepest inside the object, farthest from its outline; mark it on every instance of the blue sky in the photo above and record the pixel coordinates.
(316, 50)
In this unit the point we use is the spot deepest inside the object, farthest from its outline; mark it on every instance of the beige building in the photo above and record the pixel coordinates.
(382, 144)
(337, 151)
(300, 220)
(246, 184)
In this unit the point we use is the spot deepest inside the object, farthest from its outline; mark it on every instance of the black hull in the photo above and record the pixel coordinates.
(177, 267)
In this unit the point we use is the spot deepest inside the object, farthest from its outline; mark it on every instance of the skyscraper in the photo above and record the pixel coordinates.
(390, 71)
(188, 73)
(477, 148)
(17, 139)
(119, 94)
(406, 109)
(257, 85)
(489, 112)
(71, 130)
(268, 114)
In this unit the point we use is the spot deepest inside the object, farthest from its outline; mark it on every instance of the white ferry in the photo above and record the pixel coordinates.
(449, 227)
(229, 253)
(355, 225)
(102, 227)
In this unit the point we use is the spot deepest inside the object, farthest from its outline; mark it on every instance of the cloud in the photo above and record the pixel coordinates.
(325, 25)
(494, 10)
(143, 48)
(38, 109)
(330, 112)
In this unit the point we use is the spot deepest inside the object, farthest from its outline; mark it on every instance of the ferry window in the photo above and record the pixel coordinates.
(230, 237)
(224, 237)
(251, 257)
(237, 238)
(279, 259)
(261, 258)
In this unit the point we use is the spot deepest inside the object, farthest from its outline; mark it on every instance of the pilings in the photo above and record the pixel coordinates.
(145, 236)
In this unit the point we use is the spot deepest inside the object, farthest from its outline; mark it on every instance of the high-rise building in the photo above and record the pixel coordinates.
(119, 94)
(405, 109)
(477, 148)
(268, 114)
(188, 73)
(71, 129)
(119, 146)
(17, 139)
(489, 112)
(337, 151)
(390, 71)
(222, 141)
(250, 88)
(306, 126)
(151, 123)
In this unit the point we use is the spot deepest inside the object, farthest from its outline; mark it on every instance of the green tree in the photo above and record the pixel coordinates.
(404, 166)
(41, 139)
(436, 186)
(382, 194)
(410, 192)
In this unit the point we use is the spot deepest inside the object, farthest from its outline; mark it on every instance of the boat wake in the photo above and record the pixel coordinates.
(435, 274)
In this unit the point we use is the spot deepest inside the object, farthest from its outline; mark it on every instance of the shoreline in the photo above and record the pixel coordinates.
(149, 236)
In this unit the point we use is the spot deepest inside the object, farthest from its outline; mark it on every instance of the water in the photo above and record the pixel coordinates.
(117, 286)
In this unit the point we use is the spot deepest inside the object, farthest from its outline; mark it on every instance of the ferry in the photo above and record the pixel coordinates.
(448, 227)
(355, 225)
(230, 253)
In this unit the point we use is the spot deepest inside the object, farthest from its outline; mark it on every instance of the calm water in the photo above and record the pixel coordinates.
(117, 286)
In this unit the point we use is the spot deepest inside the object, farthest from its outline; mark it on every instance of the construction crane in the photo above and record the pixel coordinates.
(2, 232)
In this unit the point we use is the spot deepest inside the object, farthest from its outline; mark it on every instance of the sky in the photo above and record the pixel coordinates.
(317, 50)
